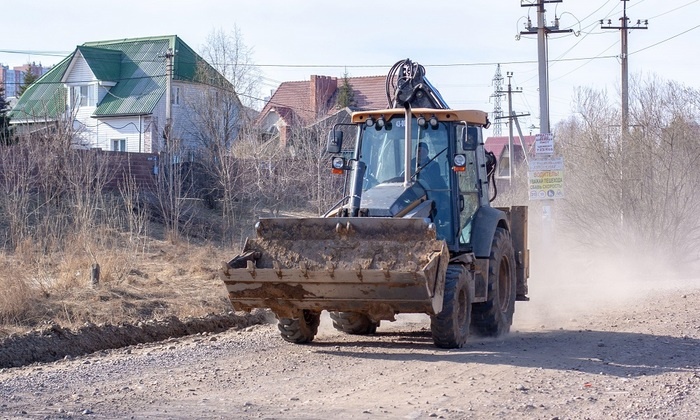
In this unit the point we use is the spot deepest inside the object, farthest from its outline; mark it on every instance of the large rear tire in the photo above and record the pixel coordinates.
(450, 327)
(300, 330)
(495, 316)
(353, 323)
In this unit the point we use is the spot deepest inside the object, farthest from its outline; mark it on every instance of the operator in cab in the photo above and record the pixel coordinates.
(427, 169)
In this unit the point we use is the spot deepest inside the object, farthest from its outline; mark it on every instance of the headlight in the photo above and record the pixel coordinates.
(460, 163)
(338, 163)
(460, 160)
(433, 122)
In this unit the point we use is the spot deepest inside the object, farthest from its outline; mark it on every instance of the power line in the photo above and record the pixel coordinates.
(673, 10)
(665, 40)
(579, 67)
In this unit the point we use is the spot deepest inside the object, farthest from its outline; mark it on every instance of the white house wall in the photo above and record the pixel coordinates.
(130, 129)
(193, 108)
(87, 129)
(183, 114)
(80, 73)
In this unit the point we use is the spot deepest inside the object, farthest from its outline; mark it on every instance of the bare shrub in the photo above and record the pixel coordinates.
(637, 192)
(18, 300)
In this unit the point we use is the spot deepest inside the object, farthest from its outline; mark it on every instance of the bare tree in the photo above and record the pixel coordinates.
(231, 57)
(641, 188)
(319, 188)
(172, 186)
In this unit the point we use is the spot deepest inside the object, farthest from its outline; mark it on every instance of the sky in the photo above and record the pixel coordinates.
(460, 43)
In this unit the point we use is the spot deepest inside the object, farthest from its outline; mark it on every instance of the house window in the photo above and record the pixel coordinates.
(119, 145)
(84, 95)
(175, 97)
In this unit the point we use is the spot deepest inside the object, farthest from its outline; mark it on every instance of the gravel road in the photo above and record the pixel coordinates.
(624, 353)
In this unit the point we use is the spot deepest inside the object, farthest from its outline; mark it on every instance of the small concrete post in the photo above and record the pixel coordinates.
(95, 274)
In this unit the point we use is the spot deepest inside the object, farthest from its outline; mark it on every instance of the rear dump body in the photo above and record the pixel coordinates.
(371, 265)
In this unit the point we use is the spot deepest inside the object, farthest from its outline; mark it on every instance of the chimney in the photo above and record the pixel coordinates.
(322, 88)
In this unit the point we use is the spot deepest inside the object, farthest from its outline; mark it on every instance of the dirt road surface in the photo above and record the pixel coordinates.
(578, 350)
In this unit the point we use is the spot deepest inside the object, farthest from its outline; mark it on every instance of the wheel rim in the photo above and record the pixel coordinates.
(504, 284)
(462, 307)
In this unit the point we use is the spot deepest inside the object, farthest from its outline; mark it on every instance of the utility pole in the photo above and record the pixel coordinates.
(542, 30)
(510, 129)
(169, 55)
(512, 118)
(624, 28)
(497, 94)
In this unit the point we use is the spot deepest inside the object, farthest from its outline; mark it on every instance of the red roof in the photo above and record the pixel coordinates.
(369, 93)
(303, 105)
(498, 144)
(291, 96)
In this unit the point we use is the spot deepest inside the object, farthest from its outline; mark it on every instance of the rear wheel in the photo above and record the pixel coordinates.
(494, 317)
(450, 327)
(300, 330)
(353, 323)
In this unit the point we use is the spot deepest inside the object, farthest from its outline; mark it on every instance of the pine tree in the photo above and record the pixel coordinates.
(29, 78)
(346, 96)
(5, 133)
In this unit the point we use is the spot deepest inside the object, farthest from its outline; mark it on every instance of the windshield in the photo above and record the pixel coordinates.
(382, 150)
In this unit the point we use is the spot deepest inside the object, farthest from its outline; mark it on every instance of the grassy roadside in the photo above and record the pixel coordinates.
(154, 280)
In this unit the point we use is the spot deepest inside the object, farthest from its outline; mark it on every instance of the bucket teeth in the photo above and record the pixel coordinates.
(385, 269)
(278, 269)
(330, 267)
(250, 266)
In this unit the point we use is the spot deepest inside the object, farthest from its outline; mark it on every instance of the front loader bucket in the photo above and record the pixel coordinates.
(375, 266)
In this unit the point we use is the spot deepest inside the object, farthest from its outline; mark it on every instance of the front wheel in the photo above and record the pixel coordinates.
(450, 327)
(353, 323)
(494, 317)
(300, 330)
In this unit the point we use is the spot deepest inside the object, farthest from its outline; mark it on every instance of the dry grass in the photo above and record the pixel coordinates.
(162, 279)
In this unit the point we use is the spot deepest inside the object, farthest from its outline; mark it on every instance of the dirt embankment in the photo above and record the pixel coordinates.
(54, 342)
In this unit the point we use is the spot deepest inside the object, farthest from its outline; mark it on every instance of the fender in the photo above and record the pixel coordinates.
(484, 225)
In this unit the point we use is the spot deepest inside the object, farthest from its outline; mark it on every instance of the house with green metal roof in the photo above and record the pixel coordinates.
(114, 93)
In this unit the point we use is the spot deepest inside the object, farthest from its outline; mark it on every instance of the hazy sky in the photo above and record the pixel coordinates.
(459, 42)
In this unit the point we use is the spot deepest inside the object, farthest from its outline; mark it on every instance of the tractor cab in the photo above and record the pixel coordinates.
(427, 168)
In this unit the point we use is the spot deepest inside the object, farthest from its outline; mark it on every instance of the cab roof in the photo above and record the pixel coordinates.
(469, 116)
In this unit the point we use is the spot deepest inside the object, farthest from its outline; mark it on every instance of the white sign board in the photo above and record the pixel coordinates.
(545, 178)
(544, 144)
(546, 164)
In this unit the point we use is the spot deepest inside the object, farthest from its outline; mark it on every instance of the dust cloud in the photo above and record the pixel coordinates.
(570, 283)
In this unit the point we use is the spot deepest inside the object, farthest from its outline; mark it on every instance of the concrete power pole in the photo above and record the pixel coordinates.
(624, 28)
(510, 129)
(542, 30)
(169, 55)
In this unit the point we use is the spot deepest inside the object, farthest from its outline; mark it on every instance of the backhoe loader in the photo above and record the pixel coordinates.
(414, 232)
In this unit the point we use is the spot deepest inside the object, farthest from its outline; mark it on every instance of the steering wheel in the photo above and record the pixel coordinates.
(369, 181)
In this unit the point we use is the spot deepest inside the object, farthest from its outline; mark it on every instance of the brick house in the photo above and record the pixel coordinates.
(305, 103)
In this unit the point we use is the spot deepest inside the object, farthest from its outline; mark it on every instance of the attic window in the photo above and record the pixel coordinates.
(84, 95)
(175, 97)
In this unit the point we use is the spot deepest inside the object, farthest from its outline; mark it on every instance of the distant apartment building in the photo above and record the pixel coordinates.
(12, 78)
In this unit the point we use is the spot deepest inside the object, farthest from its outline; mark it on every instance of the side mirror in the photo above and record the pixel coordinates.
(469, 137)
(335, 141)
